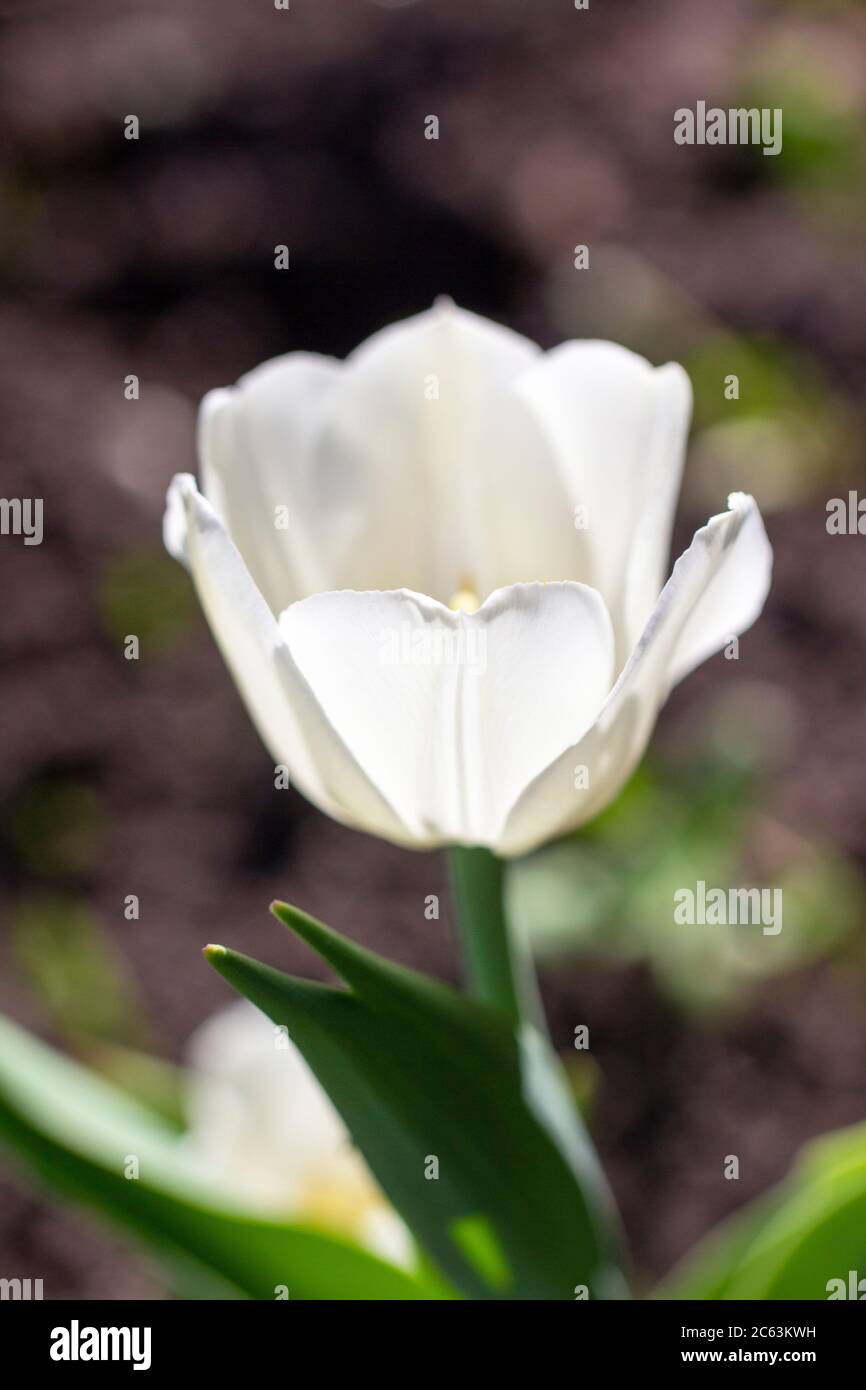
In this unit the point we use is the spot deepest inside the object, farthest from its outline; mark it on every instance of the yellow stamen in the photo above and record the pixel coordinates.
(465, 600)
(337, 1203)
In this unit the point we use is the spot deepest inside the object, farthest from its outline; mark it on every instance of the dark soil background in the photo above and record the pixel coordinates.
(155, 257)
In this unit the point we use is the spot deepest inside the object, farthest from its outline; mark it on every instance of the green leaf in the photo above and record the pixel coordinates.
(428, 1081)
(793, 1241)
(73, 966)
(78, 1133)
(158, 1085)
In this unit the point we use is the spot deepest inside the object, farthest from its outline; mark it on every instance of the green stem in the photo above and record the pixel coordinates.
(499, 972)
(496, 971)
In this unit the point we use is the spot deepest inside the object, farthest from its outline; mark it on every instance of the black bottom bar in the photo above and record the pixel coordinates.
(258, 1339)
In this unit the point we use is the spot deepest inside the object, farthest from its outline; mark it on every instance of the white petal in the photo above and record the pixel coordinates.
(256, 443)
(716, 591)
(736, 559)
(452, 714)
(617, 428)
(289, 720)
(385, 1234)
(394, 466)
(174, 521)
(257, 1116)
(256, 1113)
(262, 1127)
(415, 435)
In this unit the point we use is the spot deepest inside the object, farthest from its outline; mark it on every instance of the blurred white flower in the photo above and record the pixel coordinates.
(446, 462)
(262, 1128)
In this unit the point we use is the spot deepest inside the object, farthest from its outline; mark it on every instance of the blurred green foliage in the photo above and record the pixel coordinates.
(823, 159)
(146, 593)
(787, 433)
(610, 888)
(775, 380)
(157, 1084)
(71, 965)
(57, 826)
(800, 1240)
(78, 1134)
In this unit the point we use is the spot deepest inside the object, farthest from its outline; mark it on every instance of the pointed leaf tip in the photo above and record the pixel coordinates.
(357, 966)
(321, 939)
(211, 952)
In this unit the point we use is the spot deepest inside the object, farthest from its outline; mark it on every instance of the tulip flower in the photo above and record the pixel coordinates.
(262, 1128)
(436, 571)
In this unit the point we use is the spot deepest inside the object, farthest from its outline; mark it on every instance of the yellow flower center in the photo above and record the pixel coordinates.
(466, 599)
(341, 1200)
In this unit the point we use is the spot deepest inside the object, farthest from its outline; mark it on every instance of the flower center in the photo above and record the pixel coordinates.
(342, 1199)
(466, 599)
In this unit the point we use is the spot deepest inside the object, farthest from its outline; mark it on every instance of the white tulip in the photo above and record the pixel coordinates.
(447, 461)
(262, 1130)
